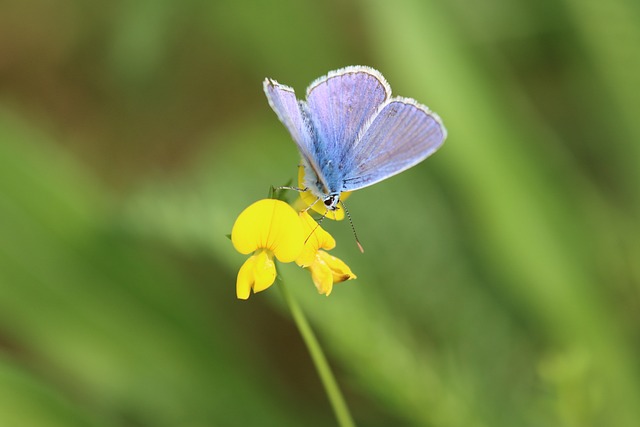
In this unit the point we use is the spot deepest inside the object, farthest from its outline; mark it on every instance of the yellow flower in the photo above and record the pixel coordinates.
(325, 269)
(328, 270)
(310, 200)
(267, 228)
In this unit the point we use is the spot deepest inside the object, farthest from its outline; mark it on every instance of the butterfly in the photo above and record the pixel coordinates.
(351, 133)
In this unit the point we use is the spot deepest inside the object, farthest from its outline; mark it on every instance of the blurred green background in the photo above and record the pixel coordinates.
(500, 280)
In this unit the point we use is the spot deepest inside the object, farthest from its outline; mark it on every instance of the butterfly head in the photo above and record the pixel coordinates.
(331, 201)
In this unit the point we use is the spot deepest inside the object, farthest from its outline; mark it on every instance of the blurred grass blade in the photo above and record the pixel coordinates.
(611, 34)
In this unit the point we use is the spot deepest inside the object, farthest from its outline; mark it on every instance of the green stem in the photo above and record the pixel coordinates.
(317, 355)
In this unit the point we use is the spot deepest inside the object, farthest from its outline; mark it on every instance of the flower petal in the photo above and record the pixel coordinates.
(257, 273)
(264, 271)
(269, 224)
(245, 279)
(341, 271)
(286, 236)
(317, 238)
(322, 277)
(328, 270)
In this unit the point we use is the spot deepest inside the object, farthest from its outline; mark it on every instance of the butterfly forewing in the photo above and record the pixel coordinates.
(339, 105)
(282, 100)
(402, 134)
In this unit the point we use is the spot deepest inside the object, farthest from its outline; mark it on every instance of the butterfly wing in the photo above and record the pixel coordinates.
(400, 135)
(283, 101)
(339, 105)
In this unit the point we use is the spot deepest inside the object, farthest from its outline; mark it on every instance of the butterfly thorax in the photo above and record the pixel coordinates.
(330, 197)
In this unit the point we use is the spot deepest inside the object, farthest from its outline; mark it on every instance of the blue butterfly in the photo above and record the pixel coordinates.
(351, 133)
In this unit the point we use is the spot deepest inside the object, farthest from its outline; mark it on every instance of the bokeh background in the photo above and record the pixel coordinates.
(500, 280)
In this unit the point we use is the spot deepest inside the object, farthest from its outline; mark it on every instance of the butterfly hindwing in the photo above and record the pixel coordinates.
(400, 135)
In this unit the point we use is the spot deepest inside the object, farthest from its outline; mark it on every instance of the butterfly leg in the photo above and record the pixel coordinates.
(286, 187)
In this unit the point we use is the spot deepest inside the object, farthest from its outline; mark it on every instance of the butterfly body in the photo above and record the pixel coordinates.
(351, 133)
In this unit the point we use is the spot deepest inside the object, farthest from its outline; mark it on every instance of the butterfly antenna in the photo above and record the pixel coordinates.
(353, 228)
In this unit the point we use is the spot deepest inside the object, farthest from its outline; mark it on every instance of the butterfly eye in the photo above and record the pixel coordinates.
(331, 201)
